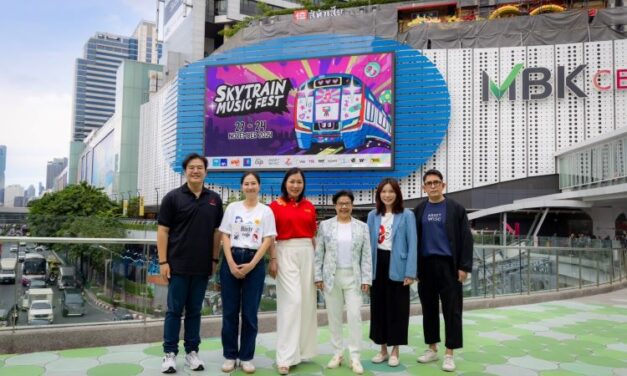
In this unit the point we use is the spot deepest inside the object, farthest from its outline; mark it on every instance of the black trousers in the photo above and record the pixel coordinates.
(389, 306)
(438, 281)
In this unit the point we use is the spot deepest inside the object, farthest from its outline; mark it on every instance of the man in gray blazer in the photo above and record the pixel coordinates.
(343, 269)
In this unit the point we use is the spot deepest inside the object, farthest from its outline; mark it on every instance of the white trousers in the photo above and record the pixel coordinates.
(347, 291)
(297, 324)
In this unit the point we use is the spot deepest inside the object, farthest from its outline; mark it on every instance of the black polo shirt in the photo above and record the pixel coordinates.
(192, 222)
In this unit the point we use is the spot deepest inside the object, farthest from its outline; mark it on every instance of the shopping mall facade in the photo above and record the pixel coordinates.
(526, 117)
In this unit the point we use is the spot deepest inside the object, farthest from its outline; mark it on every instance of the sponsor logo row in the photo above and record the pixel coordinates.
(310, 161)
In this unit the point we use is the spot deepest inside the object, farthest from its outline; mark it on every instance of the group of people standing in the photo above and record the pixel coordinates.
(342, 256)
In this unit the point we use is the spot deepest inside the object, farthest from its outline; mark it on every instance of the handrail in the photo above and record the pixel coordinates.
(50, 240)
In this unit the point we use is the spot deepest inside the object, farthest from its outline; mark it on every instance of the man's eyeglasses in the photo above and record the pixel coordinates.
(434, 183)
(341, 204)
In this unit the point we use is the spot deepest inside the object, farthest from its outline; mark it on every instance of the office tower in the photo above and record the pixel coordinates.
(95, 75)
(3, 165)
(53, 169)
(13, 194)
(30, 193)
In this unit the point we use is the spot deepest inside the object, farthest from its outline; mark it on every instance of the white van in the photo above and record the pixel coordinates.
(36, 294)
(67, 277)
(7, 270)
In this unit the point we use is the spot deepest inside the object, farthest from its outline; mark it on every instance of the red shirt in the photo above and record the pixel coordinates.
(294, 219)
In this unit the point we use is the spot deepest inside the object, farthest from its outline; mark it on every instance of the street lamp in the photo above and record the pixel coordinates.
(157, 189)
(110, 263)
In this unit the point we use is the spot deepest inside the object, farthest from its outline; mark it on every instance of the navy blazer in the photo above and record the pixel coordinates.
(404, 258)
(458, 231)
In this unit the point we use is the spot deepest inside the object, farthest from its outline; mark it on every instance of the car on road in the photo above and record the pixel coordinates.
(36, 284)
(36, 322)
(9, 316)
(40, 309)
(21, 255)
(33, 294)
(120, 314)
(72, 303)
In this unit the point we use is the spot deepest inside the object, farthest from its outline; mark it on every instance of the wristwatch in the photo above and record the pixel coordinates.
(163, 262)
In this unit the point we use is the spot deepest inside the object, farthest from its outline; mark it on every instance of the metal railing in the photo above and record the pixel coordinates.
(119, 278)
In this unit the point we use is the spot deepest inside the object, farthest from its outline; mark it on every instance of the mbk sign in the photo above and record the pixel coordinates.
(541, 78)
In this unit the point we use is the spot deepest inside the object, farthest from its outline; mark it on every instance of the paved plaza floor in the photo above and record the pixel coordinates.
(585, 336)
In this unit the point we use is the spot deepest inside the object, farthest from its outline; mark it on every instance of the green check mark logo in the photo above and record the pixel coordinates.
(498, 91)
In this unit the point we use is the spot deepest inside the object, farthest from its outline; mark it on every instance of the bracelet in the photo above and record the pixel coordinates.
(163, 262)
(215, 260)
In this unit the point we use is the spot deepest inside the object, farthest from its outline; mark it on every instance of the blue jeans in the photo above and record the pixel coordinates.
(240, 295)
(185, 292)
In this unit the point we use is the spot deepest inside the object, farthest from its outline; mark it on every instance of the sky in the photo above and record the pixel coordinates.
(40, 41)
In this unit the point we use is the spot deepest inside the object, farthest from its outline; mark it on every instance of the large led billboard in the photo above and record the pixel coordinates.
(315, 113)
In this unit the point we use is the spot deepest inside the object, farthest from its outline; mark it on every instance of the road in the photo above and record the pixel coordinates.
(8, 295)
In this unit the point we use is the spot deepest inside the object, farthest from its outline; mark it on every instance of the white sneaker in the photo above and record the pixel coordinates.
(169, 363)
(193, 361)
(335, 361)
(228, 365)
(428, 356)
(247, 366)
(356, 366)
(448, 364)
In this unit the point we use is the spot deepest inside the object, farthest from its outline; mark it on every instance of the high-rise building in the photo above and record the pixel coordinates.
(3, 165)
(95, 75)
(13, 194)
(30, 193)
(41, 189)
(53, 169)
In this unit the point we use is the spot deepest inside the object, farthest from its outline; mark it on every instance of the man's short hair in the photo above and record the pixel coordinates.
(192, 156)
(433, 171)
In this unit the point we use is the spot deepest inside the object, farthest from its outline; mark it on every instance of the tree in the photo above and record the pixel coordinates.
(81, 211)
(54, 211)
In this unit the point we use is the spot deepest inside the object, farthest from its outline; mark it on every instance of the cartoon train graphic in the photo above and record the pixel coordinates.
(339, 108)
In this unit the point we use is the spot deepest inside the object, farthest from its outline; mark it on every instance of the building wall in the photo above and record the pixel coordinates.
(12, 192)
(3, 165)
(157, 124)
(114, 147)
(486, 142)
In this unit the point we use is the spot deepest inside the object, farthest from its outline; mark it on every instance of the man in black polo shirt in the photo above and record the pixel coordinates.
(188, 242)
(444, 261)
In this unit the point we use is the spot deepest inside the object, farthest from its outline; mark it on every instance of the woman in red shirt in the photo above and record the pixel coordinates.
(292, 264)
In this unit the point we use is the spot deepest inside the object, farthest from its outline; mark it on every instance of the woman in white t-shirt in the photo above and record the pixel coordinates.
(248, 229)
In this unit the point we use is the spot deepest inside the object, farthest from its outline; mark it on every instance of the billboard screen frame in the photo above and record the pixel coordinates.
(355, 162)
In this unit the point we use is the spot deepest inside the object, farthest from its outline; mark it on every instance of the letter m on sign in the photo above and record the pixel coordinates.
(488, 85)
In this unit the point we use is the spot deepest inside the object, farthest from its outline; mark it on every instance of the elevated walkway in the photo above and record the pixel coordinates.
(585, 335)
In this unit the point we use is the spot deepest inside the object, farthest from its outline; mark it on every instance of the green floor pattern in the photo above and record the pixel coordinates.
(548, 339)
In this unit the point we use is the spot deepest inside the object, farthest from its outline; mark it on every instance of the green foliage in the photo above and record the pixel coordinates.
(78, 211)
(306, 4)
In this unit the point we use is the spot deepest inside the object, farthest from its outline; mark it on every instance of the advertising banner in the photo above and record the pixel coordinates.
(321, 113)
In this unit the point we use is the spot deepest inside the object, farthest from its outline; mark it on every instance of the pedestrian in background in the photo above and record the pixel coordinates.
(188, 244)
(445, 254)
(343, 270)
(393, 246)
(292, 265)
(248, 230)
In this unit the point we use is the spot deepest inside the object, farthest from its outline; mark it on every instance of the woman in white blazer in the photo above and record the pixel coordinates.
(343, 269)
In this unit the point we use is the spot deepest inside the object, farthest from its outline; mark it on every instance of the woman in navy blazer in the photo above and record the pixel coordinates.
(393, 243)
